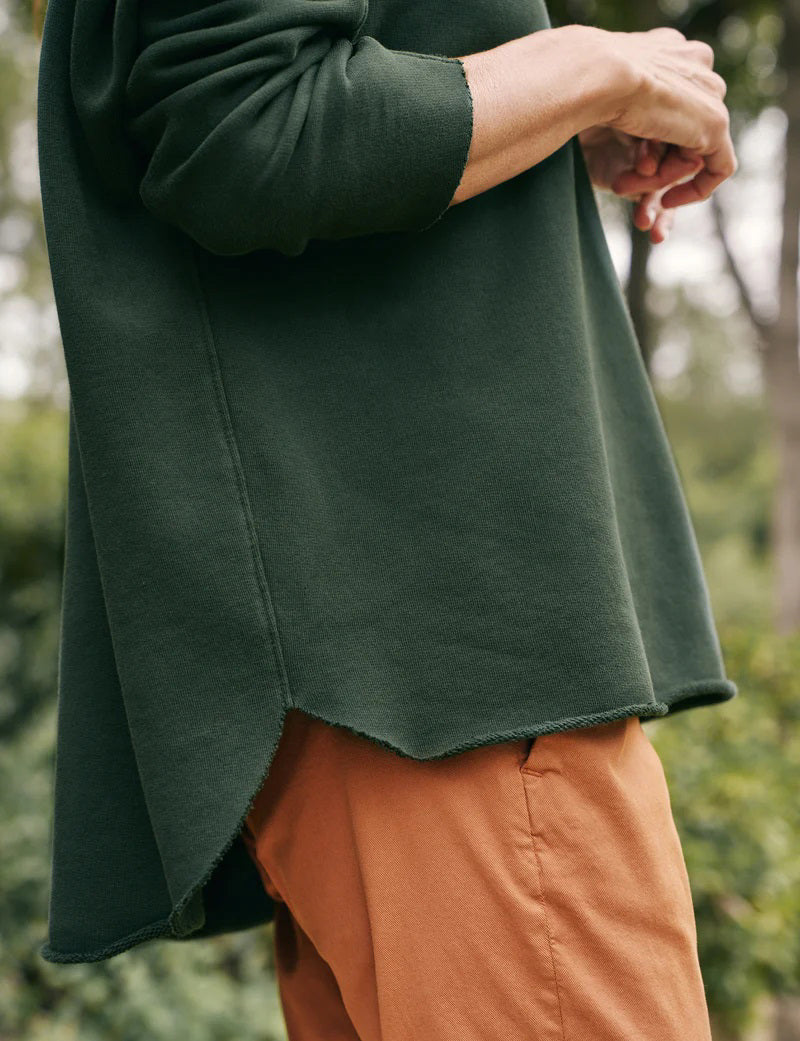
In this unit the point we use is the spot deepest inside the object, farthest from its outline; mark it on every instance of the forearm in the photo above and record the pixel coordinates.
(531, 95)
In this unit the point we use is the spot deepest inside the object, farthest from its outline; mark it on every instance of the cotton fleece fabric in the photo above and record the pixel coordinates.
(333, 444)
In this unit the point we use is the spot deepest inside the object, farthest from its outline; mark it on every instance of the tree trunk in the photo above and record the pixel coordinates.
(782, 381)
(636, 291)
(781, 361)
(787, 1018)
(644, 16)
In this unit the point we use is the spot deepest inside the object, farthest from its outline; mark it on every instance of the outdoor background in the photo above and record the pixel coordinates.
(716, 307)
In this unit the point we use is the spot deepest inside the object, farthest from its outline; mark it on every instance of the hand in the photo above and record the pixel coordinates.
(672, 94)
(637, 168)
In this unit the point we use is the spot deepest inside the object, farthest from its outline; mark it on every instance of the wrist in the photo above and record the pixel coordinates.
(532, 94)
(597, 79)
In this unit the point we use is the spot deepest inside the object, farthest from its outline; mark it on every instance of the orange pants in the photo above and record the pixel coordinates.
(529, 890)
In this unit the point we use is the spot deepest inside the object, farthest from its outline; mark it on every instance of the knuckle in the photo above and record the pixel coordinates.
(704, 51)
(721, 83)
(704, 142)
(721, 120)
(668, 30)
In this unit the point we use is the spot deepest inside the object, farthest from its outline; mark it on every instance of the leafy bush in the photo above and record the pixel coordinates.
(733, 774)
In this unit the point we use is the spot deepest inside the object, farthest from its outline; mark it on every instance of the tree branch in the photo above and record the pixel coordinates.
(761, 324)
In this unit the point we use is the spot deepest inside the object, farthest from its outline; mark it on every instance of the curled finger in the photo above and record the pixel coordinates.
(673, 168)
(662, 225)
(718, 166)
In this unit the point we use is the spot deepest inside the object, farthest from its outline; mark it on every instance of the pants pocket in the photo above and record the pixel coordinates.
(530, 749)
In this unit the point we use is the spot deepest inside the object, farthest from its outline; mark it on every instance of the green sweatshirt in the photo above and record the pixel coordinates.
(333, 445)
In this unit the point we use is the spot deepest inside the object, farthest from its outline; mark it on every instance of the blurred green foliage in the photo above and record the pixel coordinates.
(723, 448)
(732, 771)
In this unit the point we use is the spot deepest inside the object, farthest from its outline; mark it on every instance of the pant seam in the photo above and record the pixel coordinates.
(540, 875)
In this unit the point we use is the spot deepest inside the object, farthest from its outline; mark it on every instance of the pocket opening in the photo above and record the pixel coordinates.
(527, 750)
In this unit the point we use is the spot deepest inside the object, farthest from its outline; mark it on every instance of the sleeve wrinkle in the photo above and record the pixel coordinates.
(264, 126)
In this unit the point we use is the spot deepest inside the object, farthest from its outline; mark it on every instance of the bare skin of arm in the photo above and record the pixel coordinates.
(532, 94)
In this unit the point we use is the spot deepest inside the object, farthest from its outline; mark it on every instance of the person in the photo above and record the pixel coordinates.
(377, 555)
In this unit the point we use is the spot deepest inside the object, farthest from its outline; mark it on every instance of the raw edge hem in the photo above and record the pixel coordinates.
(724, 687)
(720, 689)
(699, 693)
(649, 708)
(464, 159)
(148, 932)
(172, 927)
(178, 928)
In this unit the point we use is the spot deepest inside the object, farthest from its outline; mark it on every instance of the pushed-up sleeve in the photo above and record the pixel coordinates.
(266, 123)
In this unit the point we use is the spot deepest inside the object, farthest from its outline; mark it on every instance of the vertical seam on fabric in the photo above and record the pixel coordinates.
(241, 484)
(368, 912)
(540, 875)
(361, 23)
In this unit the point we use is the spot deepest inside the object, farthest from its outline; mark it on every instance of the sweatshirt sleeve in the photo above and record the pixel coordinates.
(266, 123)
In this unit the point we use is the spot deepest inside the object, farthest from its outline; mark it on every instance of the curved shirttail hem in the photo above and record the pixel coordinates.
(650, 708)
(714, 689)
(700, 692)
(172, 927)
(148, 932)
